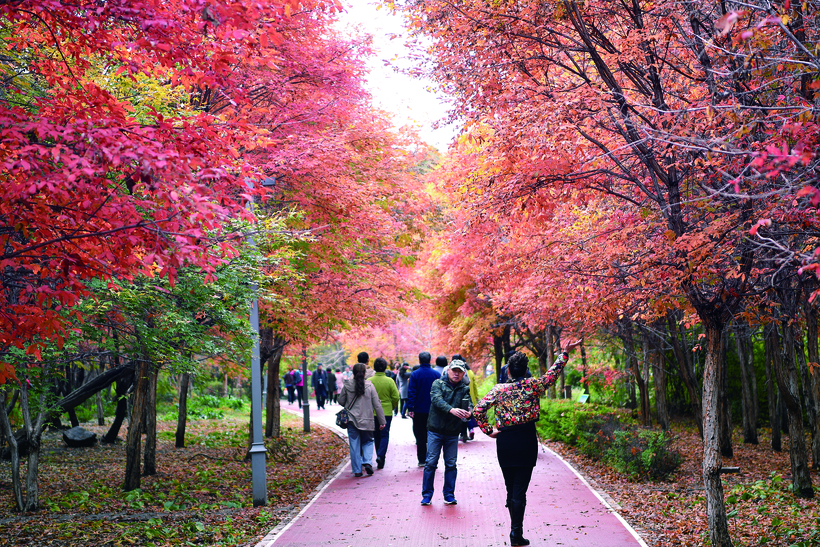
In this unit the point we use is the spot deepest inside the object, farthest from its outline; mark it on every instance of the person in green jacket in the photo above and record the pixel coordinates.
(389, 396)
(450, 406)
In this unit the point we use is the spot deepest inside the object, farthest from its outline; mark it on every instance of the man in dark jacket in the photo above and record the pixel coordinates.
(319, 384)
(331, 385)
(450, 406)
(418, 402)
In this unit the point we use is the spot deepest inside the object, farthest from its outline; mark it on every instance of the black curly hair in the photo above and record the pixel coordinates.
(517, 365)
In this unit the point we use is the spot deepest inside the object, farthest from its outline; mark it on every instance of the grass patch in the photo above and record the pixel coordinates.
(200, 496)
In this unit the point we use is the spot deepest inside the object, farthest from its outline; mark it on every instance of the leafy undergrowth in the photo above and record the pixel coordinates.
(200, 496)
(761, 508)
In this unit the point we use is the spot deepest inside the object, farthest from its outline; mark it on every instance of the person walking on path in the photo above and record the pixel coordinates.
(450, 406)
(441, 364)
(340, 382)
(289, 385)
(403, 379)
(467, 432)
(331, 386)
(389, 397)
(319, 383)
(418, 402)
(298, 385)
(517, 408)
(361, 400)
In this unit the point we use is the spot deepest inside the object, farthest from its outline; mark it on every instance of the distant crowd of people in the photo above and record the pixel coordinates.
(442, 400)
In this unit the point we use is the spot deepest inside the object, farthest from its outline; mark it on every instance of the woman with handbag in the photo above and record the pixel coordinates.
(360, 399)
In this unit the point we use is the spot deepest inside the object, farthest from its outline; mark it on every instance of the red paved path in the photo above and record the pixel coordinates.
(384, 510)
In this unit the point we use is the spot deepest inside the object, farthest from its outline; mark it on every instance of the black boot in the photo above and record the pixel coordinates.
(517, 524)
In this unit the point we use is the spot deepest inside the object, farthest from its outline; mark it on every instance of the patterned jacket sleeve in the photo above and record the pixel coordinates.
(480, 411)
(551, 376)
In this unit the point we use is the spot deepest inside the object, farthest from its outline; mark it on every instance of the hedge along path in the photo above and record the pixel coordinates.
(562, 507)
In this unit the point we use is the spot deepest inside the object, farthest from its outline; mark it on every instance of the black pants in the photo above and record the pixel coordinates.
(420, 431)
(291, 396)
(517, 481)
(299, 394)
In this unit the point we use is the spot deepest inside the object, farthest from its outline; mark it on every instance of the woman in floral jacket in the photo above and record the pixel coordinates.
(517, 408)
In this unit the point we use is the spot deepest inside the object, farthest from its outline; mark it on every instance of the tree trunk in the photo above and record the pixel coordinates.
(712, 462)
(646, 366)
(563, 376)
(814, 365)
(272, 409)
(505, 340)
(182, 417)
(100, 409)
(15, 456)
(659, 375)
(634, 366)
(772, 391)
(724, 416)
(551, 336)
(123, 385)
(786, 374)
(584, 366)
(34, 433)
(498, 352)
(806, 393)
(150, 463)
(748, 380)
(686, 372)
(72, 417)
(94, 385)
(134, 439)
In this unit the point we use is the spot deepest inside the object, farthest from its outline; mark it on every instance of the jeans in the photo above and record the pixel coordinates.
(291, 396)
(403, 407)
(435, 443)
(361, 447)
(381, 437)
(420, 432)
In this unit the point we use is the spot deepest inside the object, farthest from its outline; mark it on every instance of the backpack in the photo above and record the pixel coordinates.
(289, 378)
(296, 377)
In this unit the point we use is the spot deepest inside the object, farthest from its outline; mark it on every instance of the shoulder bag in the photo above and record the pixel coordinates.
(343, 416)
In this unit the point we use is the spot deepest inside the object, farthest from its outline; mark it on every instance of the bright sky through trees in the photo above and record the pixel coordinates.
(411, 100)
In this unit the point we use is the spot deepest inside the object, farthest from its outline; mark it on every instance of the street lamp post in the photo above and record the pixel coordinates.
(258, 451)
(305, 391)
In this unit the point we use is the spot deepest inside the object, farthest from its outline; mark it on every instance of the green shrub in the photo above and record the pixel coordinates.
(643, 454)
(203, 407)
(605, 433)
(234, 403)
(597, 435)
(569, 422)
(210, 401)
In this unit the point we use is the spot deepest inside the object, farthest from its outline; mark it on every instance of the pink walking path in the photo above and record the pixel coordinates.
(385, 510)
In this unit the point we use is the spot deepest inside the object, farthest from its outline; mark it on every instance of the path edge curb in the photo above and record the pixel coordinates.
(293, 515)
(602, 496)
